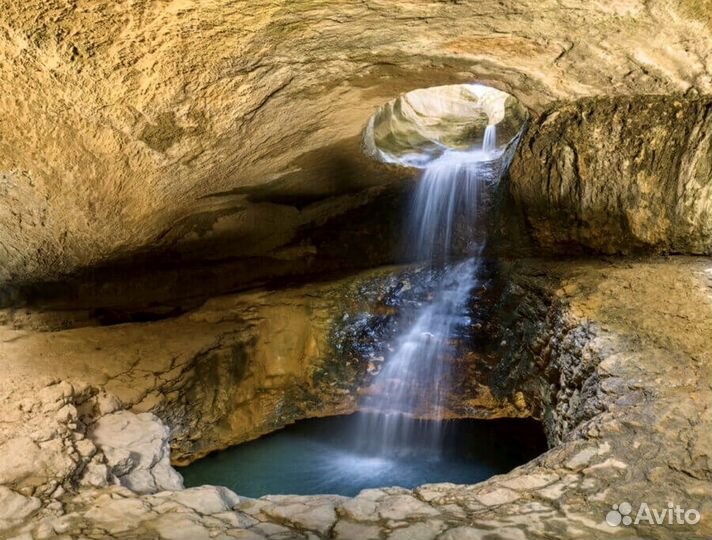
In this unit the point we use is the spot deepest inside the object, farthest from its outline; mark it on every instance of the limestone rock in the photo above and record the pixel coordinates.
(618, 175)
(96, 474)
(416, 127)
(402, 507)
(418, 531)
(345, 530)
(137, 453)
(14, 508)
(237, 367)
(204, 500)
(155, 135)
(625, 329)
(41, 438)
(311, 513)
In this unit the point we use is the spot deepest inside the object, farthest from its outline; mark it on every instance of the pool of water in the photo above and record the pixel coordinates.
(324, 455)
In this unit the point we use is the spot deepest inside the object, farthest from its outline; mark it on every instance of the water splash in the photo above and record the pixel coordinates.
(416, 377)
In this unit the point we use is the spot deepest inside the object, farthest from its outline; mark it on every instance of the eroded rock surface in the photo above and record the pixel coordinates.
(163, 125)
(238, 367)
(217, 145)
(137, 451)
(418, 126)
(618, 175)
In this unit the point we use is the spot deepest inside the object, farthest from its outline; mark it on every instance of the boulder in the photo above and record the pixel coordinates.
(137, 451)
(618, 175)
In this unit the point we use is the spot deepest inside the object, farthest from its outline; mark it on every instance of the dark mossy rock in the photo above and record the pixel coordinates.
(617, 175)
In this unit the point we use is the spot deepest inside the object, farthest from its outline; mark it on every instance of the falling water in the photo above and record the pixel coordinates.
(446, 202)
(489, 143)
(415, 379)
(400, 437)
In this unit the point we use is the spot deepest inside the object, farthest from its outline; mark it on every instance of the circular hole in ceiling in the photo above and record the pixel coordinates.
(421, 125)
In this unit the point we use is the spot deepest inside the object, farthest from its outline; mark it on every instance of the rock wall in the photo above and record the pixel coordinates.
(141, 123)
(239, 366)
(418, 126)
(544, 353)
(618, 176)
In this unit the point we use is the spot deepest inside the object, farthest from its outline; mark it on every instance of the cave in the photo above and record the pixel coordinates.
(406, 431)
(379, 270)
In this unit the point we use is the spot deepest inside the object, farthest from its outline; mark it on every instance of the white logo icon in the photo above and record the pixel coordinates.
(620, 514)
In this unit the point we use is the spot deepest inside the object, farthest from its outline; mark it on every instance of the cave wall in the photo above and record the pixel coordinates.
(618, 176)
(138, 120)
(238, 366)
(546, 352)
(613, 175)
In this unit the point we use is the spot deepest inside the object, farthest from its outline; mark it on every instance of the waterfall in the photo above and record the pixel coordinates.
(445, 204)
(415, 379)
(489, 143)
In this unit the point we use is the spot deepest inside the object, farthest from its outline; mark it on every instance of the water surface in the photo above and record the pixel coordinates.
(326, 455)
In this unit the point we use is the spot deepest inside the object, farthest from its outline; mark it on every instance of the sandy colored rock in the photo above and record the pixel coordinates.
(402, 507)
(415, 127)
(234, 369)
(204, 500)
(345, 530)
(154, 125)
(15, 507)
(630, 343)
(136, 447)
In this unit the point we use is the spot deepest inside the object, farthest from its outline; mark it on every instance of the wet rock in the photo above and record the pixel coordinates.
(624, 321)
(238, 367)
(464, 533)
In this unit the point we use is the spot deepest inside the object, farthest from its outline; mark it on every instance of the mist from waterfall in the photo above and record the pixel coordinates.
(415, 379)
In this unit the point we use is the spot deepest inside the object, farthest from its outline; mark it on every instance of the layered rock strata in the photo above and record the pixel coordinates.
(241, 366)
(618, 176)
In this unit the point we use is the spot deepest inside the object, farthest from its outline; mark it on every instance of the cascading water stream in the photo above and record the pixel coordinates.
(489, 143)
(399, 436)
(415, 380)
